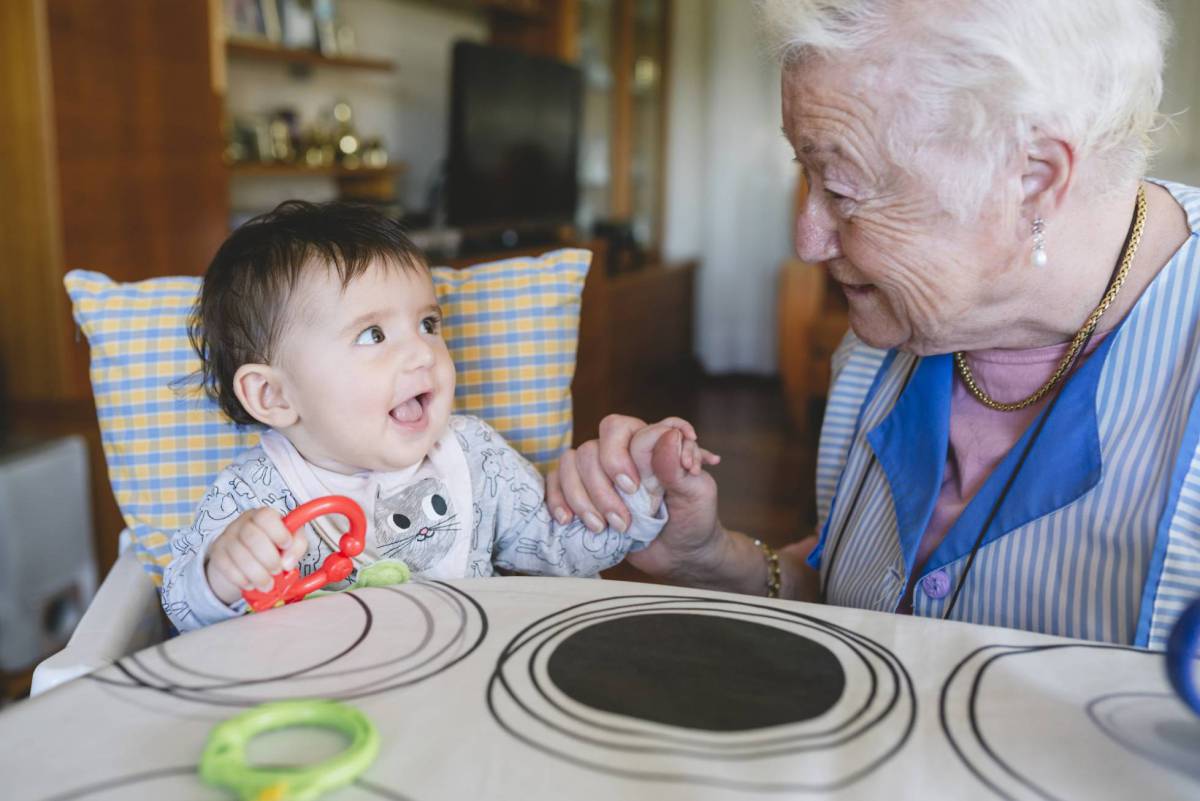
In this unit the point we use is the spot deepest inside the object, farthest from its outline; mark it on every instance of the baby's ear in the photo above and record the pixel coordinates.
(259, 388)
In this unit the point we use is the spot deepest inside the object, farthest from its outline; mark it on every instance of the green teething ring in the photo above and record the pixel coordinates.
(224, 760)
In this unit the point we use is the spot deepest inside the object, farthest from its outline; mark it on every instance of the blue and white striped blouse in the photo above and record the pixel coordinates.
(1099, 536)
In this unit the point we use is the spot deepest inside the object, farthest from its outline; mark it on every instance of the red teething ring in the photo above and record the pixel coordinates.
(289, 586)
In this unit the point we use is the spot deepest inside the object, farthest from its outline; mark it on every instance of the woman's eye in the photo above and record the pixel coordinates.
(370, 336)
(431, 325)
(842, 205)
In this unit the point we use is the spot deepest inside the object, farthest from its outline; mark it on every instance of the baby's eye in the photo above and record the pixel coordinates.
(431, 324)
(370, 336)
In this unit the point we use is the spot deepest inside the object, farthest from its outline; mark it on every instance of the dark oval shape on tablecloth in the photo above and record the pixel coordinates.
(698, 671)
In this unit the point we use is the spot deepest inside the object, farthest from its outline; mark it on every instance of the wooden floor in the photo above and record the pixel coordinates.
(766, 476)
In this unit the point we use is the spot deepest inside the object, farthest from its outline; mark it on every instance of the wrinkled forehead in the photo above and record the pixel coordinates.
(835, 110)
(818, 92)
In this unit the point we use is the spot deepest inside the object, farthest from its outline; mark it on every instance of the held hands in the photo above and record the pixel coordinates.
(693, 549)
(665, 457)
(679, 453)
(250, 551)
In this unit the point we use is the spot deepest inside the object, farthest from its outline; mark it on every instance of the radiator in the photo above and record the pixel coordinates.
(47, 561)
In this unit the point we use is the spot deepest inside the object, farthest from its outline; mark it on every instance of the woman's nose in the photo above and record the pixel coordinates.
(816, 231)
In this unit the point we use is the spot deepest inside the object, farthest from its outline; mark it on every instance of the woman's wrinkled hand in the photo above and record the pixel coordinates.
(585, 479)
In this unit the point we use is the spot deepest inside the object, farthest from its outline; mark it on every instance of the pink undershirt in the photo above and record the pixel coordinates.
(981, 437)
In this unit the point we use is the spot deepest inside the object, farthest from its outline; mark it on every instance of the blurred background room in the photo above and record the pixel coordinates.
(137, 133)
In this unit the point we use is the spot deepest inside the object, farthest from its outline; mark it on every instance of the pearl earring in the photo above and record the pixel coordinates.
(1039, 242)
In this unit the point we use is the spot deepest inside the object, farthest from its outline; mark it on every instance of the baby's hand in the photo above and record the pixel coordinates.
(691, 457)
(250, 551)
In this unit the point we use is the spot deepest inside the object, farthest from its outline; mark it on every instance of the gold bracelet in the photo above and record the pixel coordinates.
(774, 580)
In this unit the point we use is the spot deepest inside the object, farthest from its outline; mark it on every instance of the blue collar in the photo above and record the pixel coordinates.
(911, 446)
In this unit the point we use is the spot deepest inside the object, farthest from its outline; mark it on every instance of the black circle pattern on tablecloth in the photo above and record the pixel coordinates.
(432, 648)
(982, 718)
(180, 782)
(858, 700)
(623, 664)
(1151, 725)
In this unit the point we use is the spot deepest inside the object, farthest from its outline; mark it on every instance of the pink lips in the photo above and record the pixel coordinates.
(857, 290)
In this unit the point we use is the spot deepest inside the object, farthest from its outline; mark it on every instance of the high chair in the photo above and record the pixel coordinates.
(123, 617)
(511, 327)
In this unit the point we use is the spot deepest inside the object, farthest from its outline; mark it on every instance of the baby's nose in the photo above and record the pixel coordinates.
(417, 355)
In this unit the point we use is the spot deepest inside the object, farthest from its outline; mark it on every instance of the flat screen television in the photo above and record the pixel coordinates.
(514, 139)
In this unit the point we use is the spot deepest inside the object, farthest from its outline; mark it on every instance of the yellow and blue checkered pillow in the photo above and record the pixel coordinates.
(511, 327)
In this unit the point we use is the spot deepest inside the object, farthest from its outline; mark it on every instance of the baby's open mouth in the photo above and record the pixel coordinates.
(412, 410)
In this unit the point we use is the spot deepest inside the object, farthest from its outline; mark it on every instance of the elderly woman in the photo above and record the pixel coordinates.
(1012, 427)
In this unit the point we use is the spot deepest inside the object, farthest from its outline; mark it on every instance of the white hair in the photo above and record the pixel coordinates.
(981, 76)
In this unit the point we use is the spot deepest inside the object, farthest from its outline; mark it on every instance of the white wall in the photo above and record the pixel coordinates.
(687, 139)
(1179, 142)
(408, 108)
(730, 182)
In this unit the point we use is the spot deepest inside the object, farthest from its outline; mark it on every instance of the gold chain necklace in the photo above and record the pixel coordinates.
(1081, 336)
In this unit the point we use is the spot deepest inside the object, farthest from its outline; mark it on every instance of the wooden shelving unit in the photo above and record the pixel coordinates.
(529, 9)
(268, 170)
(237, 48)
(352, 182)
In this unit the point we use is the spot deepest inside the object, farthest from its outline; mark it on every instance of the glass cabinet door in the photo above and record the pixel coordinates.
(596, 42)
(646, 142)
(623, 55)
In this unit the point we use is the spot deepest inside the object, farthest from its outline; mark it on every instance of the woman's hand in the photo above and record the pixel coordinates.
(584, 483)
(693, 549)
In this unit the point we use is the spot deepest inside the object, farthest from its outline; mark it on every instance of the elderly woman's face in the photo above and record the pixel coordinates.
(913, 275)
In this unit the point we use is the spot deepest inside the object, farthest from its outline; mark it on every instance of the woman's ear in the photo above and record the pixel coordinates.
(259, 388)
(1047, 176)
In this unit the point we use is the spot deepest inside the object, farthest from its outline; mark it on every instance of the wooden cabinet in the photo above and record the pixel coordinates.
(114, 159)
(235, 48)
(544, 27)
(813, 318)
(812, 321)
(650, 330)
(112, 162)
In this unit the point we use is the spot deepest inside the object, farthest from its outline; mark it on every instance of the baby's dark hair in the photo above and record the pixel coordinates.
(241, 311)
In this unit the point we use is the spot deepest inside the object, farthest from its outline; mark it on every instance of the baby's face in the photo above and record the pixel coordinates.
(366, 369)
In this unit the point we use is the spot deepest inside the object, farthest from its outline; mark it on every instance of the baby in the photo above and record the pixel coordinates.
(321, 323)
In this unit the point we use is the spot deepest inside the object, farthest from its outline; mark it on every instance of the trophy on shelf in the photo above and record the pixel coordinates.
(298, 24)
(325, 12)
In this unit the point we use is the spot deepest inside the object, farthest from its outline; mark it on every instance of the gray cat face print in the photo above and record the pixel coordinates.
(416, 524)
